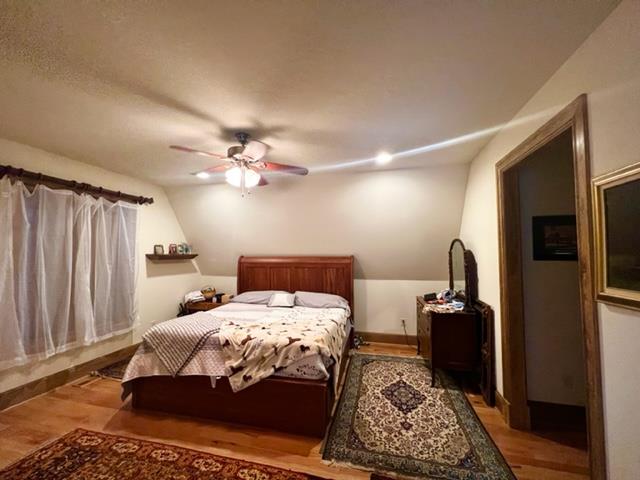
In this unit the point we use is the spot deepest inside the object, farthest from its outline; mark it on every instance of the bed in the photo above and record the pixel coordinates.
(282, 402)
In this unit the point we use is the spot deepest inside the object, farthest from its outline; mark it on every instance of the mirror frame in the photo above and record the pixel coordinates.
(470, 273)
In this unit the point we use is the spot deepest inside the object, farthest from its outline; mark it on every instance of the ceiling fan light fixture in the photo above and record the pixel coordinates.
(234, 177)
(202, 175)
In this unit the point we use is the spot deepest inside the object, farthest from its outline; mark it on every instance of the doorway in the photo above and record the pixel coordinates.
(571, 124)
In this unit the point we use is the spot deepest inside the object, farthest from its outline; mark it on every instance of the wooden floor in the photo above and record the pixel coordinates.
(95, 404)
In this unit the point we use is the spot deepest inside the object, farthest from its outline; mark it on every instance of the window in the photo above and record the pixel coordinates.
(67, 271)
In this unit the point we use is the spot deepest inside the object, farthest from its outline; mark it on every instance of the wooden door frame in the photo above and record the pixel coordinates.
(574, 118)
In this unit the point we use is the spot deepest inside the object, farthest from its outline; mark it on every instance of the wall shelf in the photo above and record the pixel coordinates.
(171, 256)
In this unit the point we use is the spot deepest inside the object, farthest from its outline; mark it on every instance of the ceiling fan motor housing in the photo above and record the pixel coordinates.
(243, 137)
(234, 150)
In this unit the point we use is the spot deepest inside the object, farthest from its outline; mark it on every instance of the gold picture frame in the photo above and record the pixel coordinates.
(616, 209)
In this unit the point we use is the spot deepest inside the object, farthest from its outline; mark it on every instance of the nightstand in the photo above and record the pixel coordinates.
(201, 306)
(450, 339)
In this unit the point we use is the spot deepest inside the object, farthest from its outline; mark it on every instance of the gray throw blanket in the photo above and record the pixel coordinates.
(176, 341)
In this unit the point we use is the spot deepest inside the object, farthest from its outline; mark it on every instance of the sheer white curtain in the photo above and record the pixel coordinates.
(67, 271)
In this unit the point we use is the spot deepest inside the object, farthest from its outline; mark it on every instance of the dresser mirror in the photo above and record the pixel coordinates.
(463, 276)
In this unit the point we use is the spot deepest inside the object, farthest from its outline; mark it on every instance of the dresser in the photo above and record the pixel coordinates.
(449, 339)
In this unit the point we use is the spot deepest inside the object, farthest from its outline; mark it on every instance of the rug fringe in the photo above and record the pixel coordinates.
(390, 474)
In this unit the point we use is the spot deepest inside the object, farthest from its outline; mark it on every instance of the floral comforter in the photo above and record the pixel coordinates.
(256, 350)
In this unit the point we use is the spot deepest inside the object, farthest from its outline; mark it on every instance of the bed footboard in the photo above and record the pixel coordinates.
(290, 405)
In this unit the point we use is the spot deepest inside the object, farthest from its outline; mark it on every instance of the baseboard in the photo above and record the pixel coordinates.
(502, 404)
(546, 415)
(42, 385)
(388, 338)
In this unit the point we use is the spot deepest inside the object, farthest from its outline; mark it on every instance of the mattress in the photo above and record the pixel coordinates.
(209, 360)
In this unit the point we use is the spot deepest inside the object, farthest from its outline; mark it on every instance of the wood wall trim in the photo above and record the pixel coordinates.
(396, 338)
(502, 404)
(573, 117)
(42, 385)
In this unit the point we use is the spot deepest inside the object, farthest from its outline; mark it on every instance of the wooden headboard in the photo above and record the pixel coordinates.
(311, 274)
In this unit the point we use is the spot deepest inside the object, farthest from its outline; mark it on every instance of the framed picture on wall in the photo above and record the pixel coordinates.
(555, 237)
(616, 198)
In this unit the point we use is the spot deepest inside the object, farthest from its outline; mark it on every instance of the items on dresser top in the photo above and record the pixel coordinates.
(443, 307)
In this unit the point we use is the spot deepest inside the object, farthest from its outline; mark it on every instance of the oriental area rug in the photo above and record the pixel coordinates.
(390, 420)
(87, 455)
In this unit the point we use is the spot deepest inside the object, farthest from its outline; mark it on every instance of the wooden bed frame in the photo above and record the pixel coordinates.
(285, 404)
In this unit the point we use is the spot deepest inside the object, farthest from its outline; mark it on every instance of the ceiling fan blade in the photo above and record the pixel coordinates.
(280, 167)
(211, 170)
(218, 168)
(197, 152)
(255, 150)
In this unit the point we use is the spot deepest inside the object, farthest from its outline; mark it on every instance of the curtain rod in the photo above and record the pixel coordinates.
(33, 178)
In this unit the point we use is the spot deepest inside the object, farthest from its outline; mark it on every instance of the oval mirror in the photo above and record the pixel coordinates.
(463, 278)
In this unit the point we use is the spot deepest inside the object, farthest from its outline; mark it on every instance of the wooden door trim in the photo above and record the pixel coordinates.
(573, 117)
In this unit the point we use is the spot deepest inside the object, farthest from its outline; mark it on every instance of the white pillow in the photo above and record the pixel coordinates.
(282, 300)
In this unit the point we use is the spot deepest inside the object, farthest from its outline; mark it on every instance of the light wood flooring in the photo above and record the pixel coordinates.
(94, 403)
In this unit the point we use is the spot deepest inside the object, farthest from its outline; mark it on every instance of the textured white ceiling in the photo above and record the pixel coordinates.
(323, 82)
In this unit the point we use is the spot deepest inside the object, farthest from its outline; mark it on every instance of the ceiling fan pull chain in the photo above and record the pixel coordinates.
(242, 174)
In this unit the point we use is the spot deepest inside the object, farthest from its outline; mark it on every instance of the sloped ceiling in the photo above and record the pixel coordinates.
(323, 82)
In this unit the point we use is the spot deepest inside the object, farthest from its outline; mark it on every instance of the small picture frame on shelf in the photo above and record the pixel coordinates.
(173, 249)
(180, 250)
(187, 248)
(158, 249)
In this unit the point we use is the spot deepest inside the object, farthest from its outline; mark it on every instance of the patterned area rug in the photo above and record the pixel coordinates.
(86, 455)
(390, 419)
(115, 370)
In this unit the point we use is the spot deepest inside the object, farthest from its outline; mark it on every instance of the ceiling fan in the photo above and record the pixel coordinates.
(244, 163)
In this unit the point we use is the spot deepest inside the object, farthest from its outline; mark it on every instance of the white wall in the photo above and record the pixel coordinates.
(160, 286)
(607, 68)
(380, 305)
(553, 332)
(397, 223)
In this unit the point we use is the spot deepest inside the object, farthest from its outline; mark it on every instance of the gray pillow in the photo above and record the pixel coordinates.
(259, 297)
(320, 300)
